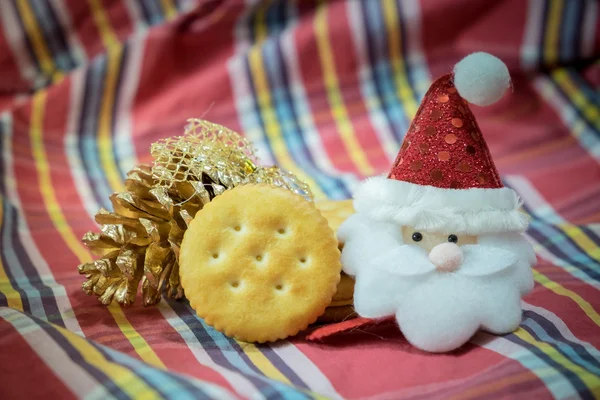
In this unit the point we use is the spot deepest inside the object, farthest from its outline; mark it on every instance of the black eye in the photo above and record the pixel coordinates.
(452, 238)
(417, 237)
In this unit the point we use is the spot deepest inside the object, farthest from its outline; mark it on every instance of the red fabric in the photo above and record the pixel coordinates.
(444, 146)
(345, 326)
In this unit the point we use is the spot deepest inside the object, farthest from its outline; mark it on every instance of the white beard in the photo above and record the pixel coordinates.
(437, 311)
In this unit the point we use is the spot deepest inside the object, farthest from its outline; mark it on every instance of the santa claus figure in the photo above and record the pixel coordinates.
(439, 242)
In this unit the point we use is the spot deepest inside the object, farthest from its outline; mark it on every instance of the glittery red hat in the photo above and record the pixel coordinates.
(444, 178)
(444, 146)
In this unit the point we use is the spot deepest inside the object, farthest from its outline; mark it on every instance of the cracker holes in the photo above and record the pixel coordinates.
(237, 228)
(259, 258)
(302, 260)
(215, 255)
(234, 284)
(279, 287)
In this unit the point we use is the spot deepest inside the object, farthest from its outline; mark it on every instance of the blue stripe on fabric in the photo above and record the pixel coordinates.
(11, 262)
(62, 342)
(37, 297)
(213, 349)
(155, 13)
(287, 119)
(17, 273)
(573, 115)
(575, 352)
(235, 356)
(549, 371)
(167, 384)
(568, 37)
(3, 300)
(583, 86)
(53, 35)
(41, 80)
(145, 13)
(218, 346)
(24, 323)
(88, 145)
(418, 75)
(559, 244)
(31, 274)
(122, 149)
(380, 66)
(543, 35)
(282, 366)
(257, 111)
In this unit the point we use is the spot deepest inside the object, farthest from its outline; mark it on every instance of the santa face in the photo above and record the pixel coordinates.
(442, 287)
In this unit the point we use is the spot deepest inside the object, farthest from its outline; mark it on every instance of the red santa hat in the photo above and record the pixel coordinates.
(444, 178)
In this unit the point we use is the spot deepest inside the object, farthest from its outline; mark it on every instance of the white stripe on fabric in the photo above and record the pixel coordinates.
(123, 143)
(242, 93)
(71, 143)
(562, 328)
(532, 35)
(555, 382)
(39, 263)
(417, 66)
(136, 14)
(567, 113)
(237, 380)
(74, 45)
(382, 128)
(544, 210)
(302, 107)
(54, 356)
(15, 37)
(306, 370)
(589, 27)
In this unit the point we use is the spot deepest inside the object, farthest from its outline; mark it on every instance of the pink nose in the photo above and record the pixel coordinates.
(446, 257)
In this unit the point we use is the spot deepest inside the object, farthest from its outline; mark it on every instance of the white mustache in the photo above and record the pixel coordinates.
(412, 261)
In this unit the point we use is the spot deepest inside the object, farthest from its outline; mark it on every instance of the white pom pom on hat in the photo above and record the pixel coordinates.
(481, 78)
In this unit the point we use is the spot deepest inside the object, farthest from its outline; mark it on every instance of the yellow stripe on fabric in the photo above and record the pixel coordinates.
(107, 34)
(114, 51)
(405, 92)
(13, 297)
(38, 42)
(268, 369)
(260, 25)
(139, 344)
(589, 110)
(169, 9)
(61, 225)
(589, 379)
(495, 386)
(262, 362)
(582, 240)
(43, 169)
(551, 42)
(272, 127)
(105, 142)
(336, 101)
(122, 377)
(562, 291)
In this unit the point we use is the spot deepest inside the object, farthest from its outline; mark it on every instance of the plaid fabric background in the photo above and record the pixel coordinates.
(326, 89)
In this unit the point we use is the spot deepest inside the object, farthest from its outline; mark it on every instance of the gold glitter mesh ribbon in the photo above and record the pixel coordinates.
(139, 242)
(211, 158)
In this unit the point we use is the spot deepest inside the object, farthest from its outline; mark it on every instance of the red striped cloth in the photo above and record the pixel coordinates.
(327, 90)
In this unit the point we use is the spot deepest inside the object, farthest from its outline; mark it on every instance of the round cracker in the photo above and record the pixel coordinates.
(259, 263)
